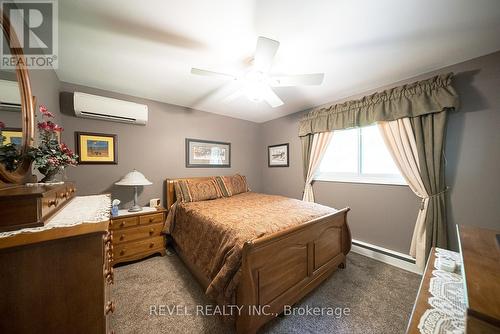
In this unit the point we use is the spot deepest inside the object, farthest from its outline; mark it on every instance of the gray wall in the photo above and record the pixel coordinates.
(157, 149)
(382, 215)
(385, 215)
(45, 86)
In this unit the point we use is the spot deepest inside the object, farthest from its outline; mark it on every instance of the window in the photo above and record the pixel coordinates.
(359, 155)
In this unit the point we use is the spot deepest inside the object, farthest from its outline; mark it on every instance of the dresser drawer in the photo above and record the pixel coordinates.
(134, 248)
(139, 232)
(54, 199)
(152, 219)
(120, 223)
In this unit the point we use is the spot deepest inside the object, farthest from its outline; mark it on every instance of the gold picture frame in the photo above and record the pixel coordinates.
(96, 148)
(13, 136)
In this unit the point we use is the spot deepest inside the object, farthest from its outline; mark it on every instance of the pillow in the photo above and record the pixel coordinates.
(232, 185)
(194, 190)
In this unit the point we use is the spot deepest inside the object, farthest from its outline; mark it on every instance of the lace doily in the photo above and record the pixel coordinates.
(81, 209)
(447, 301)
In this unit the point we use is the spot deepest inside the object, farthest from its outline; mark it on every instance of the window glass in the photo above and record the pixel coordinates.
(359, 155)
(341, 156)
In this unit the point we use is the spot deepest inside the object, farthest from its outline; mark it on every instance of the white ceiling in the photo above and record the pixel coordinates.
(147, 48)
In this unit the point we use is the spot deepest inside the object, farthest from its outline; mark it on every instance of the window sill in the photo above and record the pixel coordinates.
(376, 181)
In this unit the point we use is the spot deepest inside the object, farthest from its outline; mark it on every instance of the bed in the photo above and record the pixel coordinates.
(259, 252)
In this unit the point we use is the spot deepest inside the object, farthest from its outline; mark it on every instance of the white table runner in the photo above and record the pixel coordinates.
(447, 301)
(80, 210)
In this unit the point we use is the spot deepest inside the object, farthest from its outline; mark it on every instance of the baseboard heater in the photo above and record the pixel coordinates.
(384, 251)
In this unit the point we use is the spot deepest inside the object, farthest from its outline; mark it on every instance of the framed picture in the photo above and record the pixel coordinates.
(96, 148)
(13, 136)
(207, 154)
(277, 156)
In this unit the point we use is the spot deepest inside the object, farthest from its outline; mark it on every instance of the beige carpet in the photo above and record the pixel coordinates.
(379, 297)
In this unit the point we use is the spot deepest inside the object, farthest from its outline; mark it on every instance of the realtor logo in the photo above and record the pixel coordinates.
(35, 24)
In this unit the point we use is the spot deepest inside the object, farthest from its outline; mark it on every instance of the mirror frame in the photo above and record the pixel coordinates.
(23, 172)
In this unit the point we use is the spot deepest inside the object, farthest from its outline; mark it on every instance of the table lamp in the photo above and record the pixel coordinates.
(134, 178)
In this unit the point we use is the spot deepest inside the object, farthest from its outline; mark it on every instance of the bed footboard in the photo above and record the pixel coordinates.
(279, 269)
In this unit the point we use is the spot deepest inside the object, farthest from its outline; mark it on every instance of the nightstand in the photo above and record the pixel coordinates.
(138, 234)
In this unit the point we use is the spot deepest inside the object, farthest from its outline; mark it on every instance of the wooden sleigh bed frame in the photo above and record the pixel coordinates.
(279, 269)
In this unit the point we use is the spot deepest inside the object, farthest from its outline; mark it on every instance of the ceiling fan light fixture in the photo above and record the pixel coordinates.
(254, 91)
(256, 84)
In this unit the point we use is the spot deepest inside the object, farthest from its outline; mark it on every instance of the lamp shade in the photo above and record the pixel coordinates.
(134, 178)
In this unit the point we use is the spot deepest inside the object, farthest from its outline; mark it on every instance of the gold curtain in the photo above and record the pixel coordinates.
(399, 136)
(419, 98)
(430, 135)
(315, 154)
(412, 119)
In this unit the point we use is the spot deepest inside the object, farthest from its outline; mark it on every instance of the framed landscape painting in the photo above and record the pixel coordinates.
(96, 148)
(277, 156)
(13, 136)
(207, 154)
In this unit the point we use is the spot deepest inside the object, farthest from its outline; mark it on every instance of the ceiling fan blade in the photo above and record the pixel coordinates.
(270, 97)
(298, 80)
(264, 54)
(207, 73)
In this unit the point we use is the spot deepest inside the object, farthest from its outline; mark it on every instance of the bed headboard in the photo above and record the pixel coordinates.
(170, 189)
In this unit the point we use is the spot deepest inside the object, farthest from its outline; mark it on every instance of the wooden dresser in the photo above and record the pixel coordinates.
(31, 206)
(56, 278)
(138, 234)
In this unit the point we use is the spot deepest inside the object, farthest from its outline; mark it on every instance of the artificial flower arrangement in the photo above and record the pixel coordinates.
(10, 155)
(50, 157)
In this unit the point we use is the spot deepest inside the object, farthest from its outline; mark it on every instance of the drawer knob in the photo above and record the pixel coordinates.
(151, 220)
(151, 231)
(122, 252)
(122, 224)
(151, 245)
(122, 237)
(110, 307)
(53, 203)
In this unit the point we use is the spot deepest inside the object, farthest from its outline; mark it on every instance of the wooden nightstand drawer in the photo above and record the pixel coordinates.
(151, 219)
(137, 235)
(124, 222)
(138, 249)
(139, 232)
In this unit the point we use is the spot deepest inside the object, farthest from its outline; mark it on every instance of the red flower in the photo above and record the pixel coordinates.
(49, 127)
(2, 125)
(45, 112)
(66, 150)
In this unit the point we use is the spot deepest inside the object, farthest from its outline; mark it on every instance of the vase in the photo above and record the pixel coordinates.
(49, 175)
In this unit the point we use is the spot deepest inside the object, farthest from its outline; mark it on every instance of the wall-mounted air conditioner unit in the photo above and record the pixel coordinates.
(107, 109)
(10, 98)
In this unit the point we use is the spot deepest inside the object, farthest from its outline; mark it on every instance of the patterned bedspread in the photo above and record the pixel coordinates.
(211, 234)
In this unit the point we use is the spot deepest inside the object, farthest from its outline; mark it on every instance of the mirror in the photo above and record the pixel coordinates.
(11, 121)
(16, 115)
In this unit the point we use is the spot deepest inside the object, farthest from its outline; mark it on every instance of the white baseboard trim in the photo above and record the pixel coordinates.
(385, 255)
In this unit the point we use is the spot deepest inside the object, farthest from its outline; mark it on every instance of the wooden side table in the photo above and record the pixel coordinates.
(138, 234)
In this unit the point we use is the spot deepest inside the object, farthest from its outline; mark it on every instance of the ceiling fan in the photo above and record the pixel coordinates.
(257, 82)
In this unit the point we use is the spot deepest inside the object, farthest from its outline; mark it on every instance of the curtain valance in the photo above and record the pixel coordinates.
(419, 98)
